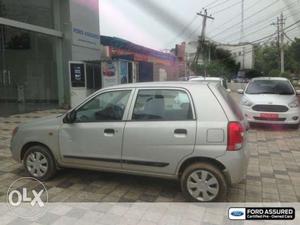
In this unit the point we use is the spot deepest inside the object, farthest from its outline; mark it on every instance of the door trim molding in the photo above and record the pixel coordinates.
(125, 161)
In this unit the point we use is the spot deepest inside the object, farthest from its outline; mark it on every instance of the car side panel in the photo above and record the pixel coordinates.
(211, 137)
(42, 133)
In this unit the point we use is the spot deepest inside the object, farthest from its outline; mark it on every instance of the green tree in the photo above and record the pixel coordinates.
(293, 55)
(222, 63)
(267, 59)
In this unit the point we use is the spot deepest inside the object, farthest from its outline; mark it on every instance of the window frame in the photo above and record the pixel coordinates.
(97, 94)
(134, 100)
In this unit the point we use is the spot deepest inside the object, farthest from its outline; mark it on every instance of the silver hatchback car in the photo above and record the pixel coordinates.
(193, 132)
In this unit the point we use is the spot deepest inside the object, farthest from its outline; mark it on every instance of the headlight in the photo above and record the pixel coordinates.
(246, 102)
(294, 104)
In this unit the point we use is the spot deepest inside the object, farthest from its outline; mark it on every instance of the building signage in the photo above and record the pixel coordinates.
(138, 56)
(85, 26)
(86, 38)
(77, 74)
(108, 72)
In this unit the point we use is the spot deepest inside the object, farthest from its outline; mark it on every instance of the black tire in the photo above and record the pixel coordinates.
(294, 126)
(51, 170)
(222, 193)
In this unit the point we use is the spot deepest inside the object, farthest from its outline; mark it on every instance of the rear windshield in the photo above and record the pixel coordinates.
(232, 104)
(277, 87)
(221, 82)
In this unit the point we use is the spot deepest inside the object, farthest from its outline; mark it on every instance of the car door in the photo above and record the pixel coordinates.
(95, 137)
(160, 130)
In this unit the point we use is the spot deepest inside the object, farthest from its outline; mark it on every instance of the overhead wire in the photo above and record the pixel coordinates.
(252, 15)
(212, 3)
(230, 20)
(221, 3)
(195, 30)
(261, 21)
(183, 30)
(254, 32)
(224, 9)
(194, 18)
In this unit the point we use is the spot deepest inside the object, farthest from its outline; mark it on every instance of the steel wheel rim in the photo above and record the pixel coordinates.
(37, 164)
(202, 185)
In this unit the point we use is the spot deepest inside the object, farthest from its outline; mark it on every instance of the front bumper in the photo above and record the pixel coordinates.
(283, 117)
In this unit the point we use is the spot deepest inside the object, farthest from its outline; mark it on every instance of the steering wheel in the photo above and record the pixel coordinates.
(118, 111)
(83, 118)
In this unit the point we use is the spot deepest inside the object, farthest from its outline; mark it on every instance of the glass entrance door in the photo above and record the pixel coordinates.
(8, 88)
(28, 71)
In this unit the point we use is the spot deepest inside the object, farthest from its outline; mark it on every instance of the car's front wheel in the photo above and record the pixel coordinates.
(39, 162)
(203, 182)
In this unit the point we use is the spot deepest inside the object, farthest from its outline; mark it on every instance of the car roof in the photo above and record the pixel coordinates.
(270, 78)
(172, 84)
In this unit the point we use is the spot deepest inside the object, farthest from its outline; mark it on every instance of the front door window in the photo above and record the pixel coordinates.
(109, 106)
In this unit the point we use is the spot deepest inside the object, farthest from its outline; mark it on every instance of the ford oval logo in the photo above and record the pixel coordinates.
(237, 213)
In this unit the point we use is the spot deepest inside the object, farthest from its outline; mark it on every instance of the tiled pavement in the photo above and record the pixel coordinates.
(139, 214)
(273, 173)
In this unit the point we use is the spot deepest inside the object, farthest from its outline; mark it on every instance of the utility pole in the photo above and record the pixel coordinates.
(280, 40)
(282, 23)
(277, 24)
(201, 40)
(242, 33)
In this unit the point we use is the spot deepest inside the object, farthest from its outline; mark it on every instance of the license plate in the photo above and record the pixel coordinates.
(269, 115)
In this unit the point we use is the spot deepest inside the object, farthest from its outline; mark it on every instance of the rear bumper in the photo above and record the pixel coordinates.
(236, 164)
(283, 117)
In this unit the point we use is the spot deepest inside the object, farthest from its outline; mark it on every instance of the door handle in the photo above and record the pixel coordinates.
(109, 131)
(180, 131)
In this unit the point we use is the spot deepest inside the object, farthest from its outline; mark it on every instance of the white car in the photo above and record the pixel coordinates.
(271, 100)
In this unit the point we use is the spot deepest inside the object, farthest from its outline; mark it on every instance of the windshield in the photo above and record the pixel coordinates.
(277, 87)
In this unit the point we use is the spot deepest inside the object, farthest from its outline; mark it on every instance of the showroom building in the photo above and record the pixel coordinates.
(38, 41)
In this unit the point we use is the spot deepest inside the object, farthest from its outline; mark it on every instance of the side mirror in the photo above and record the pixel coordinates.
(70, 117)
(228, 90)
(240, 91)
(297, 92)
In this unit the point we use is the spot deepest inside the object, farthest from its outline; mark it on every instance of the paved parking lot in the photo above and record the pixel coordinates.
(273, 173)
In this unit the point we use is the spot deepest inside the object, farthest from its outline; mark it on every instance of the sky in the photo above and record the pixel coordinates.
(160, 24)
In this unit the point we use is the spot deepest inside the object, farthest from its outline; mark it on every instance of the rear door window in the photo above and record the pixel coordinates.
(165, 105)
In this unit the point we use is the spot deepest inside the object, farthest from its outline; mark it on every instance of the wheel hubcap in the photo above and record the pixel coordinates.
(37, 164)
(203, 185)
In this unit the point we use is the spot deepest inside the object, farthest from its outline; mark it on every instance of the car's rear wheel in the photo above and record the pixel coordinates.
(203, 182)
(39, 162)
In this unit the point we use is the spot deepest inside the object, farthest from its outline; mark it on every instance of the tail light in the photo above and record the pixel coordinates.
(235, 136)
(14, 131)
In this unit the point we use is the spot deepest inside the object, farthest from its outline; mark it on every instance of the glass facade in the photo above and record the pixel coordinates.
(28, 72)
(28, 60)
(35, 12)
